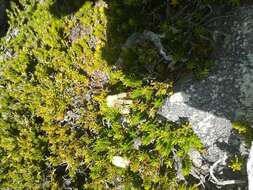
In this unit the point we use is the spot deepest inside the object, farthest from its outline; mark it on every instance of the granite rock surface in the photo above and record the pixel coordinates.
(211, 105)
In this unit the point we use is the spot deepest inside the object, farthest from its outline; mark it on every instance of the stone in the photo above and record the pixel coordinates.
(211, 105)
(120, 162)
(120, 102)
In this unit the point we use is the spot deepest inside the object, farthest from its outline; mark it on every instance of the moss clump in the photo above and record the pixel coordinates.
(56, 70)
(236, 164)
(244, 129)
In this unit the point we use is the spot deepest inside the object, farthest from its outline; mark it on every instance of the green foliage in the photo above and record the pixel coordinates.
(55, 124)
(244, 129)
(236, 164)
(186, 25)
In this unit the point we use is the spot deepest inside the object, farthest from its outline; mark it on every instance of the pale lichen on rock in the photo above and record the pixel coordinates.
(226, 95)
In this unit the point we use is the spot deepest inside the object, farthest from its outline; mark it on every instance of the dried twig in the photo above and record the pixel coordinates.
(178, 166)
(202, 178)
(219, 182)
(211, 20)
(154, 38)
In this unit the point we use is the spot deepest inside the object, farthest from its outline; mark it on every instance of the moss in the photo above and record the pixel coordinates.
(55, 125)
(236, 163)
(244, 129)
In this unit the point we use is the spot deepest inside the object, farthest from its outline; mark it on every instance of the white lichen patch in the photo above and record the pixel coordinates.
(179, 97)
(120, 162)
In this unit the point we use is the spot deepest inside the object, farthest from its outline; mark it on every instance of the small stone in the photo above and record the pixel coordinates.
(118, 101)
(120, 162)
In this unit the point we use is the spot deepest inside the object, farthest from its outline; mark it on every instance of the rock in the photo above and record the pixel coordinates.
(120, 162)
(225, 96)
(118, 101)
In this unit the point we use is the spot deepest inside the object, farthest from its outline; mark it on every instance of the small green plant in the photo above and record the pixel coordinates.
(56, 71)
(236, 164)
(244, 129)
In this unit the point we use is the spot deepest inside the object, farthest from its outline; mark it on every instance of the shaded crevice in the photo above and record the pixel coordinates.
(63, 8)
(4, 5)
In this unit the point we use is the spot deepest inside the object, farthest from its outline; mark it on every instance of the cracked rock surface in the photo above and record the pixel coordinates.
(226, 95)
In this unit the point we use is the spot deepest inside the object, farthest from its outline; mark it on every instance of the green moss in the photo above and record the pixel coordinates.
(63, 65)
(236, 164)
(244, 129)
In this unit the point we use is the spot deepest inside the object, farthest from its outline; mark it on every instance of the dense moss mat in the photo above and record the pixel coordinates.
(57, 66)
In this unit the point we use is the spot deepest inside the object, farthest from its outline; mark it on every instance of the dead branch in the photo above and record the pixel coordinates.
(154, 38)
(220, 182)
(178, 166)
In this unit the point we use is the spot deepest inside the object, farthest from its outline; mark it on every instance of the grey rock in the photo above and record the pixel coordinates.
(225, 96)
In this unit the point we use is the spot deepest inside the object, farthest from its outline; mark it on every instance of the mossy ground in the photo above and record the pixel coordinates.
(57, 67)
